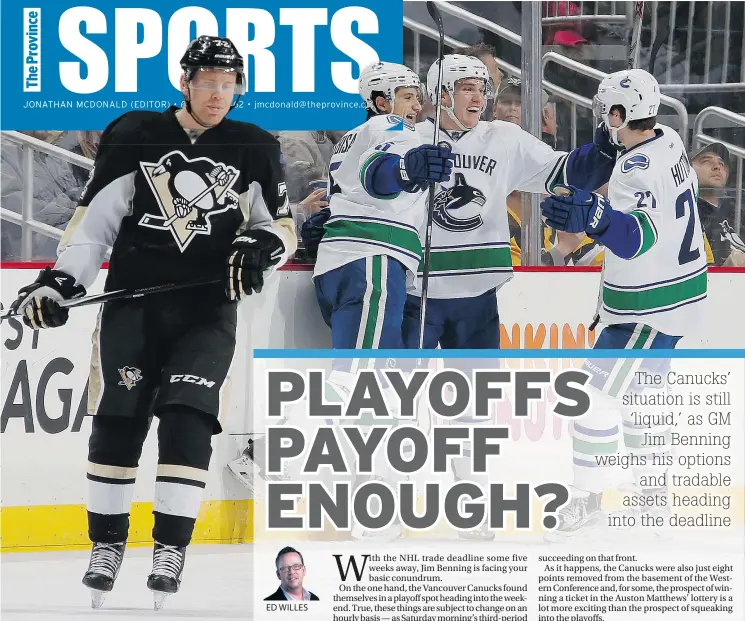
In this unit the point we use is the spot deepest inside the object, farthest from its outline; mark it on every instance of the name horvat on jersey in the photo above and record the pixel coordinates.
(139, 34)
(681, 170)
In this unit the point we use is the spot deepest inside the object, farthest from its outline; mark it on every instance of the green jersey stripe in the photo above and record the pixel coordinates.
(628, 363)
(363, 172)
(374, 310)
(405, 239)
(655, 297)
(481, 258)
(647, 230)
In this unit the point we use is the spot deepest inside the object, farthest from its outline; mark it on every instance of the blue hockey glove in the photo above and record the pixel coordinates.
(579, 211)
(427, 163)
(604, 144)
(312, 230)
(38, 302)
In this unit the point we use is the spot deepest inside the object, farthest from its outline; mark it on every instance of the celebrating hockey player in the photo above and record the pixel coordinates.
(181, 195)
(377, 175)
(653, 286)
(470, 257)
(369, 241)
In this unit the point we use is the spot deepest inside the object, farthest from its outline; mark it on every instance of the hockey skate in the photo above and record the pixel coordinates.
(106, 560)
(165, 578)
(578, 519)
(248, 470)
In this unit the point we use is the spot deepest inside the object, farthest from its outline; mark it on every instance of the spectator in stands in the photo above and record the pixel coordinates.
(724, 245)
(58, 212)
(568, 35)
(558, 247)
(306, 158)
(56, 188)
(508, 107)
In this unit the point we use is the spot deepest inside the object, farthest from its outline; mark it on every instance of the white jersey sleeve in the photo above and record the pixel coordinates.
(533, 165)
(380, 135)
(363, 224)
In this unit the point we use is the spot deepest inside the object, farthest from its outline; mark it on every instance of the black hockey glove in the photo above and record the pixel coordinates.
(38, 302)
(313, 229)
(251, 255)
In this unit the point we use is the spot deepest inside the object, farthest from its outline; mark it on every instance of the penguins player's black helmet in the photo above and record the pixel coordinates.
(206, 52)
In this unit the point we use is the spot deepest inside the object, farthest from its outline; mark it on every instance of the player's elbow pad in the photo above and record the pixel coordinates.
(623, 237)
(382, 178)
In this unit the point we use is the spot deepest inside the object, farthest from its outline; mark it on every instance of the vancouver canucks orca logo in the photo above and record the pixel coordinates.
(455, 197)
(189, 193)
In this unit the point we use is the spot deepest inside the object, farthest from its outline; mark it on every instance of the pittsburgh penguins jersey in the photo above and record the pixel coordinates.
(362, 224)
(664, 283)
(170, 204)
(471, 235)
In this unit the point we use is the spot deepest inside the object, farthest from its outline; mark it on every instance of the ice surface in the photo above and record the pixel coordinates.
(39, 586)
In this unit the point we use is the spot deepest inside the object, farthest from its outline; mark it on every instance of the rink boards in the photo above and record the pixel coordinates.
(45, 427)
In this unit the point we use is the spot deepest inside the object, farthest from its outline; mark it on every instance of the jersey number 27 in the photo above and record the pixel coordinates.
(687, 203)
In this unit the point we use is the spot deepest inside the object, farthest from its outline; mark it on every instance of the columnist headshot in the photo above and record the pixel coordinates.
(291, 573)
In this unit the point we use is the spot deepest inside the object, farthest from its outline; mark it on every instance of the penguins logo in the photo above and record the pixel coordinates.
(189, 193)
(729, 234)
(130, 376)
(455, 197)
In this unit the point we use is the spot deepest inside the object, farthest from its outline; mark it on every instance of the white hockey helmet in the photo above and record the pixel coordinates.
(457, 67)
(386, 78)
(636, 90)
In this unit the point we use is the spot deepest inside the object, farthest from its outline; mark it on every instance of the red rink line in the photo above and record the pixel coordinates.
(305, 267)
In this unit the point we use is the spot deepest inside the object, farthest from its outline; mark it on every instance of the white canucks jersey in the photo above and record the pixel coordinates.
(664, 284)
(362, 225)
(470, 233)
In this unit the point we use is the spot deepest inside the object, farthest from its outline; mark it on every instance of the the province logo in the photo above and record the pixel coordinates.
(130, 376)
(189, 193)
(32, 50)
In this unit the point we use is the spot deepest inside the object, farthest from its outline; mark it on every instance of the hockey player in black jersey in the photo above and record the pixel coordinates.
(180, 195)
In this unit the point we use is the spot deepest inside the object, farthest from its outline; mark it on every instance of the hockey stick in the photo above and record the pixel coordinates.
(122, 294)
(636, 35)
(437, 17)
(633, 62)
